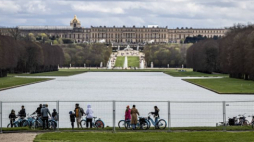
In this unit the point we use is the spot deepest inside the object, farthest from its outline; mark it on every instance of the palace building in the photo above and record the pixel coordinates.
(149, 34)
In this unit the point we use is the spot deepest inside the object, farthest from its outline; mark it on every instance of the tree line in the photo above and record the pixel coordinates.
(198, 38)
(163, 55)
(233, 54)
(23, 56)
(90, 54)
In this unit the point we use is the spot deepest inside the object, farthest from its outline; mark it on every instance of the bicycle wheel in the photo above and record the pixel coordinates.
(34, 125)
(83, 123)
(144, 125)
(138, 124)
(246, 123)
(52, 124)
(162, 124)
(121, 124)
(149, 124)
(25, 123)
(99, 124)
(128, 125)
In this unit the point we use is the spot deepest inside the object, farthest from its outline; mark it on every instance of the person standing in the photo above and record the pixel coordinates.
(54, 117)
(38, 111)
(12, 117)
(89, 116)
(22, 112)
(78, 114)
(72, 119)
(45, 119)
(127, 113)
(134, 117)
(156, 115)
(128, 116)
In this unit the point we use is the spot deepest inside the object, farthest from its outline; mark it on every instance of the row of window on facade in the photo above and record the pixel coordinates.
(146, 36)
(128, 30)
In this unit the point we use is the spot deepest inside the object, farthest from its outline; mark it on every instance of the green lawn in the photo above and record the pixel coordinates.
(190, 73)
(146, 137)
(119, 61)
(133, 61)
(7, 82)
(169, 71)
(67, 72)
(109, 129)
(225, 85)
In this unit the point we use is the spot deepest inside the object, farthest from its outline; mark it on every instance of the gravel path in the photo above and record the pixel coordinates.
(17, 137)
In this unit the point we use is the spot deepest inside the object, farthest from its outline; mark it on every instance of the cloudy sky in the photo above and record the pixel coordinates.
(171, 13)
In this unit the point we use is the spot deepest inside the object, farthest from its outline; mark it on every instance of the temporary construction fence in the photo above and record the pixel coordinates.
(178, 115)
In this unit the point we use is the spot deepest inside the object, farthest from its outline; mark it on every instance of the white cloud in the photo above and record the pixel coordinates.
(97, 8)
(171, 13)
(9, 7)
(36, 7)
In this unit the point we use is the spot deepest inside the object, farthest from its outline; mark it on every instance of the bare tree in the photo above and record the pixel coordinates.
(14, 32)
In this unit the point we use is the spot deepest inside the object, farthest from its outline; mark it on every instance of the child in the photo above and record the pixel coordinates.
(54, 115)
(12, 117)
(72, 118)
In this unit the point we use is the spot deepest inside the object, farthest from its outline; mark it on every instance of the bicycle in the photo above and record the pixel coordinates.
(160, 124)
(252, 121)
(142, 123)
(242, 120)
(124, 123)
(95, 123)
(37, 122)
(17, 123)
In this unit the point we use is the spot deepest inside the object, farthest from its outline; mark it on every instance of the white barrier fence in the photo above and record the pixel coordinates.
(176, 114)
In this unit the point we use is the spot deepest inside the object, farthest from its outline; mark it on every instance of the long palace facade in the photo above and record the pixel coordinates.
(122, 34)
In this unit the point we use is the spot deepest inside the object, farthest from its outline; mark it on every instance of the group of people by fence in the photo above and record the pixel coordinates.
(78, 113)
(132, 115)
(43, 112)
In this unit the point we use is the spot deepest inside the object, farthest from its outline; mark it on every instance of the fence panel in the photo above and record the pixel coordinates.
(239, 109)
(196, 114)
(208, 115)
(102, 110)
(143, 107)
(30, 107)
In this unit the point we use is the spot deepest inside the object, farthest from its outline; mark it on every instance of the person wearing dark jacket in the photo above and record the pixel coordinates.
(22, 112)
(72, 119)
(54, 115)
(38, 111)
(156, 114)
(12, 117)
(45, 119)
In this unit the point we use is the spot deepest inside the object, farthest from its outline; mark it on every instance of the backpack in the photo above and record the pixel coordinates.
(82, 111)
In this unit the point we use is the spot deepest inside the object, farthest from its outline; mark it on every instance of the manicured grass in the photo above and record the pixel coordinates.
(16, 129)
(219, 128)
(119, 61)
(190, 73)
(146, 137)
(55, 73)
(169, 71)
(109, 129)
(133, 61)
(8, 82)
(226, 85)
